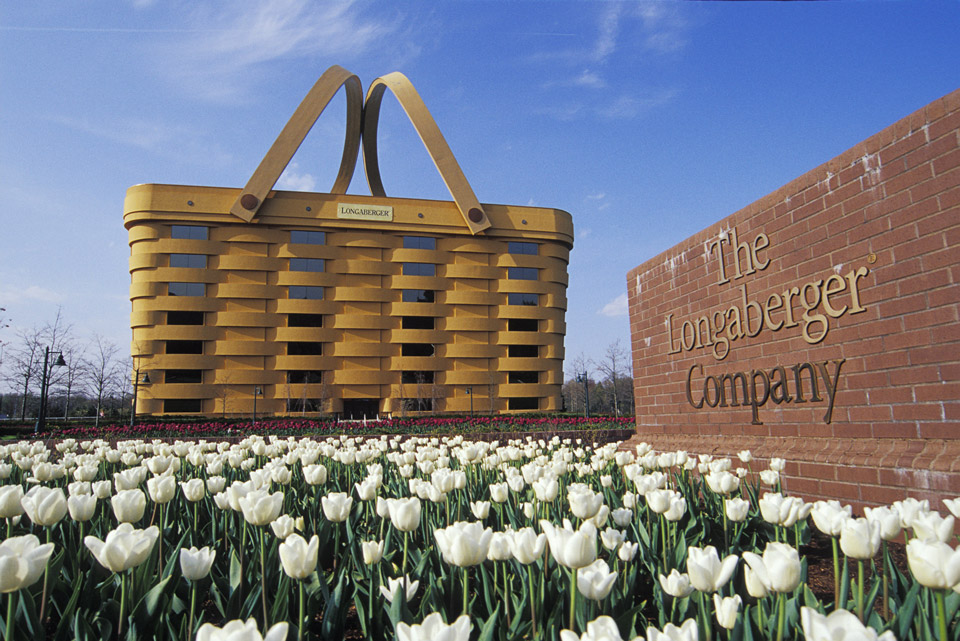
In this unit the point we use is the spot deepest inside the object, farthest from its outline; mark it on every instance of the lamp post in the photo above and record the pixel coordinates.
(470, 394)
(257, 391)
(585, 379)
(137, 381)
(41, 423)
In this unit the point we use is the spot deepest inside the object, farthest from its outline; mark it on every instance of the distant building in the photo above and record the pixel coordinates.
(323, 311)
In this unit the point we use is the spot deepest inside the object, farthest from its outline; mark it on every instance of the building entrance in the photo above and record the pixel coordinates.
(355, 409)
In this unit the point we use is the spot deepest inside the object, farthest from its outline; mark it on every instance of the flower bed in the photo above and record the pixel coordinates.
(421, 537)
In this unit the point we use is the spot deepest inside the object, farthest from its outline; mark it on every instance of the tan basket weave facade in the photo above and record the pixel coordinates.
(248, 336)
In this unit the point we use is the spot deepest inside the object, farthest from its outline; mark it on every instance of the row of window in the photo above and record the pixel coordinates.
(316, 320)
(314, 292)
(306, 348)
(316, 265)
(311, 237)
(195, 405)
(308, 377)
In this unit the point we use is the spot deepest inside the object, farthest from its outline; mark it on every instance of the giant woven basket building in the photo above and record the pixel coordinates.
(351, 317)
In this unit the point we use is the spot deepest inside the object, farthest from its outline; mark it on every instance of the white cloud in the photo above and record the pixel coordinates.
(597, 196)
(294, 181)
(242, 36)
(616, 307)
(171, 141)
(33, 292)
(627, 107)
(609, 28)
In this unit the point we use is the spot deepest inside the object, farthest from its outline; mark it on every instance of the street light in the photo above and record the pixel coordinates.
(41, 423)
(470, 394)
(137, 381)
(585, 379)
(257, 391)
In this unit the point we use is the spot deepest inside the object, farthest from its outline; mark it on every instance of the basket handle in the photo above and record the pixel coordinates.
(426, 127)
(293, 134)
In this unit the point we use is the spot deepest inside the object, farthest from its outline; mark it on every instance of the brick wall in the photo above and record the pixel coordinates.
(873, 238)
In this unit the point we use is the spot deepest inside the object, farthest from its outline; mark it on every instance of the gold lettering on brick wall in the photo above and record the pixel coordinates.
(808, 306)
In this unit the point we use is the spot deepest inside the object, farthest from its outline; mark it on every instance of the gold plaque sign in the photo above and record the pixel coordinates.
(364, 212)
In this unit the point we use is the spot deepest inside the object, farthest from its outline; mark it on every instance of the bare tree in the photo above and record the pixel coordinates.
(612, 366)
(27, 361)
(579, 366)
(101, 371)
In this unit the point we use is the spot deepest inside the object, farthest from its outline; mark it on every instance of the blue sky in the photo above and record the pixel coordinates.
(647, 121)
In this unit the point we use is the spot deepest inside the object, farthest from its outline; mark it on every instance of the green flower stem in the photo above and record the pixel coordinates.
(781, 615)
(506, 594)
(46, 573)
(941, 613)
(160, 543)
(886, 578)
(860, 591)
(836, 573)
(466, 590)
(403, 568)
(573, 598)
(533, 612)
(193, 608)
(705, 616)
(726, 540)
(123, 603)
(263, 578)
(10, 609)
(663, 536)
(300, 621)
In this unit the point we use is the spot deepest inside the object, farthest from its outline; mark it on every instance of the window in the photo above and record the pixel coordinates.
(418, 322)
(419, 242)
(416, 377)
(523, 377)
(184, 318)
(304, 320)
(518, 298)
(417, 404)
(306, 264)
(517, 247)
(419, 269)
(193, 261)
(184, 347)
(523, 273)
(523, 351)
(186, 289)
(307, 292)
(304, 237)
(182, 405)
(304, 349)
(418, 296)
(183, 376)
(306, 376)
(523, 325)
(524, 403)
(416, 349)
(189, 232)
(304, 404)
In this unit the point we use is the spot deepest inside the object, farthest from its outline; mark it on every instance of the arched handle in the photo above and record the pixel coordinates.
(473, 214)
(293, 134)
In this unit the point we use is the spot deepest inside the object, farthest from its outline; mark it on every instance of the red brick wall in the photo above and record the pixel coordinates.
(891, 206)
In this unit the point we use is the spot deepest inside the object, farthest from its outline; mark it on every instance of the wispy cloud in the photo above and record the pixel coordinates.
(665, 28)
(609, 27)
(245, 35)
(627, 107)
(622, 30)
(616, 307)
(292, 180)
(166, 140)
(12, 295)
